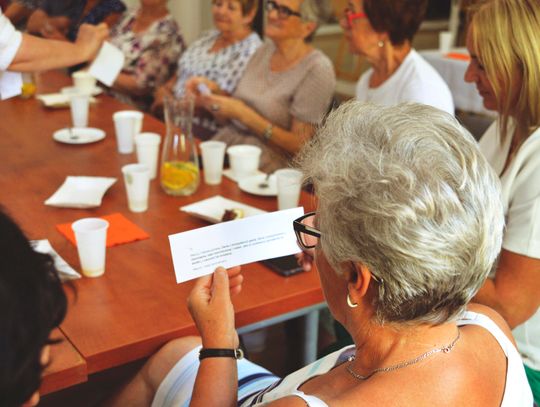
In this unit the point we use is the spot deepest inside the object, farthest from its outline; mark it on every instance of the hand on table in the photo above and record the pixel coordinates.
(159, 97)
(211, 308)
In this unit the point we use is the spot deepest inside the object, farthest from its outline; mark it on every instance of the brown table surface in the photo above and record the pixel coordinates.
(67, 366)
(136, 306)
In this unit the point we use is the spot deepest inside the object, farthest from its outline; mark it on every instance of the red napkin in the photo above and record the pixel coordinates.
(458, 55)
(121, 230)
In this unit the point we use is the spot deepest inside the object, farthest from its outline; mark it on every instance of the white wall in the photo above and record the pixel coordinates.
(193, 16)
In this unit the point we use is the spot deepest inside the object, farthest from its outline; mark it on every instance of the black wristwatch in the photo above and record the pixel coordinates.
(221, 353)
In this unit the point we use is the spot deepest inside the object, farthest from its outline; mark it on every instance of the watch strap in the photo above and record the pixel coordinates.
(221, 353)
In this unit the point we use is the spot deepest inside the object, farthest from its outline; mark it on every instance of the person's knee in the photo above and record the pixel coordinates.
(159, 365)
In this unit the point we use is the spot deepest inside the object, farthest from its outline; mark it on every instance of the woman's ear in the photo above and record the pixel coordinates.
(309, 27)
(359, 279)
(250, 16)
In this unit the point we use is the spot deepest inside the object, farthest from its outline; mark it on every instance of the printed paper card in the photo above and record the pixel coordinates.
(198, 252)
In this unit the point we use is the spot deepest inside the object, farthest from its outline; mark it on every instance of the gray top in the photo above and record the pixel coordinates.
(304, 92)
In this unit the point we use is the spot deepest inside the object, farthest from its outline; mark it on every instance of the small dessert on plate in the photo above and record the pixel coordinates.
(232, 214)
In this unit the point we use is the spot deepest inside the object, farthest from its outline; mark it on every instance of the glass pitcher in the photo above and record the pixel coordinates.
(179, 173)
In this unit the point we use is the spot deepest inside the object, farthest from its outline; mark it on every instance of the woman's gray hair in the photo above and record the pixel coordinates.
(316, 11)
(405, 191)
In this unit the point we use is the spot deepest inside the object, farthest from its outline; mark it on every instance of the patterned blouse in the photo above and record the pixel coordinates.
(224, 67)
(151, 56)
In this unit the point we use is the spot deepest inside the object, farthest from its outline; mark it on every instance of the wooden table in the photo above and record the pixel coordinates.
(136, 306)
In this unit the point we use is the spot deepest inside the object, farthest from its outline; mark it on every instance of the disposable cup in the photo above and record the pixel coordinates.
(137, 180)
(213, 154)
(289, 183)
(91, 237)
(244, 160)
(445, 42)
(147, 146)
(79, 104)
(127, 124)
(83, 82)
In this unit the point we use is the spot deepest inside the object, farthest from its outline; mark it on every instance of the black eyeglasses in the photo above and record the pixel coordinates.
(283, 12)
(306, 234)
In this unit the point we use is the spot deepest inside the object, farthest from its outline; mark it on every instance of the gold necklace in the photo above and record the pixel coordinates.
(444, 349)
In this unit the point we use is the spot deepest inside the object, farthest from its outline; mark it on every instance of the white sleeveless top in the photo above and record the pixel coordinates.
(517, 392)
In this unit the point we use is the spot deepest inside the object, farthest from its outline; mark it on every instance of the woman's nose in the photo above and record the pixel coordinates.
(470, 73)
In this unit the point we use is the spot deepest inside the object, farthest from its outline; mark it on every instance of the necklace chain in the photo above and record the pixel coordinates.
(444, 349)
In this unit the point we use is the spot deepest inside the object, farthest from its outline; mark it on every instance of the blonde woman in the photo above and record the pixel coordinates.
(504, 43)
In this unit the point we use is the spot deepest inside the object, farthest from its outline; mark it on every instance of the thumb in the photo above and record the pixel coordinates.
(221, 285)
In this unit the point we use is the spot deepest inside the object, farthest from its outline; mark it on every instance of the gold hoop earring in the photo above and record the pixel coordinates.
(380, 44)
(350, 303)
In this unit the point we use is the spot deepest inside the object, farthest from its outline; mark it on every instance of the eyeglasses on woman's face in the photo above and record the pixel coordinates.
(306, 234)
(350, 16)
(283, 12)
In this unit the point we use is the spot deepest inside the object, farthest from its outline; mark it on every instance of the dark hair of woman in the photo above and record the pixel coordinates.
(32, 303)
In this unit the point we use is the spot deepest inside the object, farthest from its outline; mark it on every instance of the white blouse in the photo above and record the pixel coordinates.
(10, 41)
(521, 199)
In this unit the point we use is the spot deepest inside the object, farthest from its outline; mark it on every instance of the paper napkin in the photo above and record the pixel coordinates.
(121, 230)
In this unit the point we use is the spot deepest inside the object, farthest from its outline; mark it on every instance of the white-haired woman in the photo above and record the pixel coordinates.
(504, 68)
(286, 89)
(408, 226)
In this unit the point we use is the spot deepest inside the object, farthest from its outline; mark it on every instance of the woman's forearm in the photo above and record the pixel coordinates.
(290, 141)
(216, 383)
(38, 54)
(128, 84)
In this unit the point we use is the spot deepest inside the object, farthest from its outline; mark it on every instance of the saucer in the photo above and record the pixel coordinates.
(229, 174)
(79, 135)
(68, 90)
(252, 185)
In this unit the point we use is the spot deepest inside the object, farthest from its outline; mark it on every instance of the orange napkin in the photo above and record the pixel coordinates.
(121, 230)
(458, 55)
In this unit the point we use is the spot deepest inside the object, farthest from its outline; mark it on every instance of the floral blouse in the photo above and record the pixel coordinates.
(224, 67)
(151, 56)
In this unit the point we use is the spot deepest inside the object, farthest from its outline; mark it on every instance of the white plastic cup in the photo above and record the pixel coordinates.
(147, 147)
(213, 154)
(137, 181)
(83, 82)
(244, 160)
(127, 124)
(289, 183)
(79, 105)
(445, 42)
(91, 237)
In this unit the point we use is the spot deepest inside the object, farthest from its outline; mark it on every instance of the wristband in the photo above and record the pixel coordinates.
(221, 353)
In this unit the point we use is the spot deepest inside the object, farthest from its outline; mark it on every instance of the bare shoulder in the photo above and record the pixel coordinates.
(289, 401)
(494, 316)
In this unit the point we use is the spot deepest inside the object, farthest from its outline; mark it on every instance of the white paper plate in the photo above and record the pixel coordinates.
(229, 174)
(80, 192)
(79, 135)
(56, 100)
(68, 90)
(212, 209)
(252, 185)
